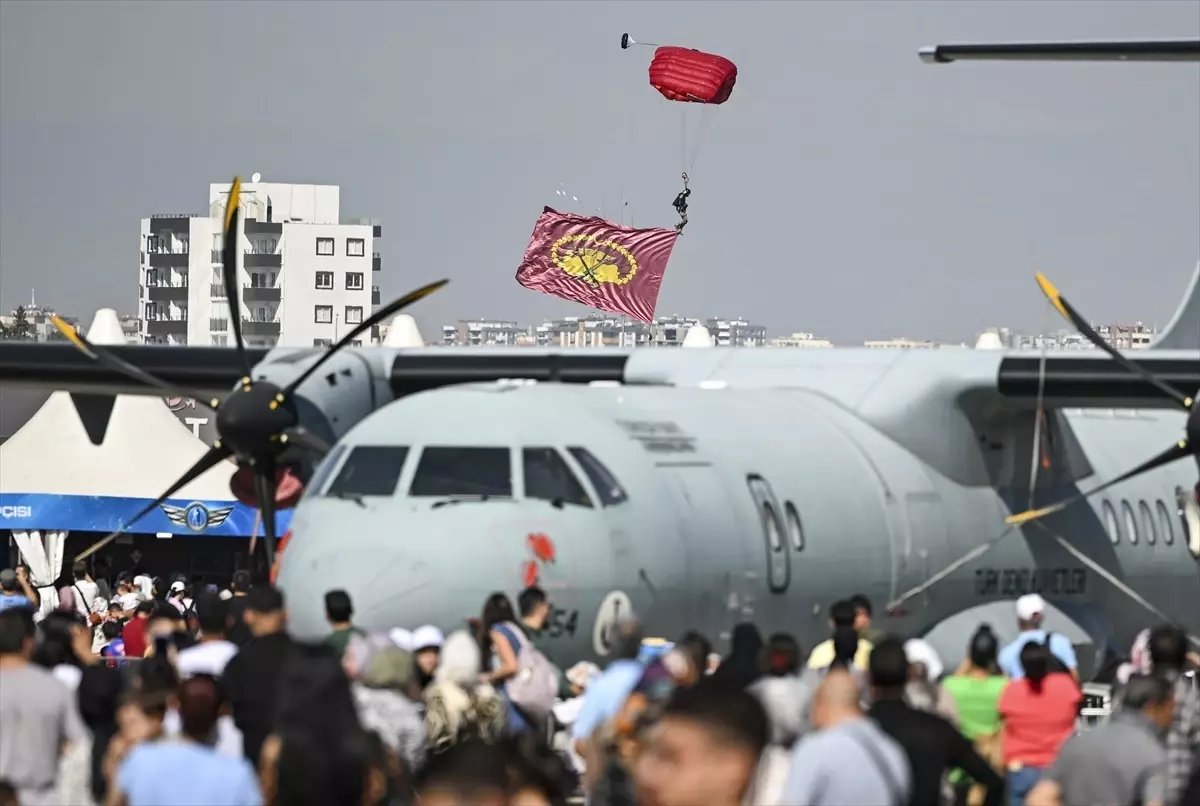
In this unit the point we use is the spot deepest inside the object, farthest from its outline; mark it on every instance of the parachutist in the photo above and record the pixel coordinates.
(680, 205)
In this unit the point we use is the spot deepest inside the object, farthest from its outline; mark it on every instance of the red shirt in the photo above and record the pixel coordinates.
(1036, 725)
(134, 635)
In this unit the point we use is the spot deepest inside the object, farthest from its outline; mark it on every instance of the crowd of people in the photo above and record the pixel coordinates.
(143, 692)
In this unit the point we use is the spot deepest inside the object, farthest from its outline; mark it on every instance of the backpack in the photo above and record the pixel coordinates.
(534, 688)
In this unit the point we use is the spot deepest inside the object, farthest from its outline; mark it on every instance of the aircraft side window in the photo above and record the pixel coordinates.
(446, 471)
(1165, 523)
(795, 527)
(1110, 523)
(1131, 526)
(370, 470)
(607, 487)
(549, 478)
(1148, 523)
(324, 470)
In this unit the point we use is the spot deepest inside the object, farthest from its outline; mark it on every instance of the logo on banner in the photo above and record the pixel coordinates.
(195, 516)
(20, 511)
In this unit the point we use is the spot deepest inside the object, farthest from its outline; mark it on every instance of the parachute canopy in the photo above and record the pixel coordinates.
(691, 76)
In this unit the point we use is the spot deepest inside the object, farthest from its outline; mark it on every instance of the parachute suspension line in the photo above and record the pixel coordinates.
(680, 204)
(702, 130)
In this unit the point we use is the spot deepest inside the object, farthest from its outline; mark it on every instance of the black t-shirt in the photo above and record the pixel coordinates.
(238, 632)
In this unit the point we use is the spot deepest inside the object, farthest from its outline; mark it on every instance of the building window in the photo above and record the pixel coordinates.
(325, 279)
(323, 314)
(356, 343)
(325, 246)
(356, 247)
(354, 281)
(354, 314)
(220, 341)
(322, 342)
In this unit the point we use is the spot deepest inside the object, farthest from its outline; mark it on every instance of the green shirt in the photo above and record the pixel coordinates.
(339, 639)
(978, 703)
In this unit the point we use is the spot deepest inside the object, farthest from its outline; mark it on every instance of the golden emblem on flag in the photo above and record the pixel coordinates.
(592, 260)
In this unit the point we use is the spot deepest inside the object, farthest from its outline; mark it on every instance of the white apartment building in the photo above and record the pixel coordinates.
(305, 276)
(801, 340)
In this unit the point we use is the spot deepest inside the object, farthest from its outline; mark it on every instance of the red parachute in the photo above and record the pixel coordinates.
(688, 76)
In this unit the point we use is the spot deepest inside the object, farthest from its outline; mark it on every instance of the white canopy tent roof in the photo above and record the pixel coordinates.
(145, 448)
(403, 332)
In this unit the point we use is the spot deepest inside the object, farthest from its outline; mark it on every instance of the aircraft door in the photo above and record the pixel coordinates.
(779, 562)
(719, 575)
(927, 549)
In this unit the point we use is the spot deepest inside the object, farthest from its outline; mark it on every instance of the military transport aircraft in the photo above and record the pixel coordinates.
(698, 487)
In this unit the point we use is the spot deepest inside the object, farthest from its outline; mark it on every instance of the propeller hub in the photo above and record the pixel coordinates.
(251, 420)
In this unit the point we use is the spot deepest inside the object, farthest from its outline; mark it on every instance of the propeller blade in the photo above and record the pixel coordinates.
(103, 356)
(302, 438)
(389, 310)
(254, 531)
(1071, 315)
(229, 269)
(1177, 451)
(215, 455)
(264, 488)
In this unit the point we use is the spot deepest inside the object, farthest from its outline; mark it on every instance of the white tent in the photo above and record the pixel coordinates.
(145, 448)
(403, 332)
(697, 336)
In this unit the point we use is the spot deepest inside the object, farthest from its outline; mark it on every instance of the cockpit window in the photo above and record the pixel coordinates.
(369, 470)
(549, 478)
(463, 471)
(607, 487)
(324, 469)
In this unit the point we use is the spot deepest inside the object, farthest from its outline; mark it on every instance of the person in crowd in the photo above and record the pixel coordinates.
(841, 615)
(846, 649)
(167, 631)
(339, 612)
(469, 773)
(847, 759)
(317, 753)
(863, 617)
(782, 691)
(1031, 610)
(252, 677)
(1168, 650)
(426, 648)
(212, 651)
(578, 678)
(386, 694)
(1121, 761)
(239, 589)
(696, 648)
(534, 608)
(60, 632)
(502, 644)
(1039, 710)
(101, 575)
(98, 698)
(458, 706)
(12, 592)
(187, 770)
(139, 717)
(136, 632)
(924, 689)
(742, 667)
(704, 749)
(607, 694)
(976, 688)
(180, 596)
(127, 593)
(83, 590)
(932, 745)
(108, 611)
(113, 649)
(38, 715)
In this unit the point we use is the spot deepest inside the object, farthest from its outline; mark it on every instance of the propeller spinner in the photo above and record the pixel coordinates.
(1188, 446)
(258, 420)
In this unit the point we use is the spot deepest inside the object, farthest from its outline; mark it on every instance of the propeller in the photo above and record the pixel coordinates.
(1188, 446)
(258, 421)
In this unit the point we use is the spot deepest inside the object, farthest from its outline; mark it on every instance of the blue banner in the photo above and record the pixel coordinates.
(87, 513)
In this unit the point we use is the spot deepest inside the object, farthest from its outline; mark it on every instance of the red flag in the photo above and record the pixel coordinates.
(587, 259)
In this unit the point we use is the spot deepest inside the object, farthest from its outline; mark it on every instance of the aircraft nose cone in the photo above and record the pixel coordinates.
(389, 587)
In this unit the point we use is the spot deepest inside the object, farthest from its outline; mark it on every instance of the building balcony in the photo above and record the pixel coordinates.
(171, 222)
(374, 295)
(376, 231)
(376, 262)
(257, 260)
(172, 260)
(218, 325)
(166, 327)
(252, 293)
(167, 293)
(217, 291)
(217, 256)
(260, 328)
(264, 227)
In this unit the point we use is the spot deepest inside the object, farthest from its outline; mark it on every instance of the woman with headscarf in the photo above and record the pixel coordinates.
(742, 667)
(457, 705)
(924, 691)
(386, 694)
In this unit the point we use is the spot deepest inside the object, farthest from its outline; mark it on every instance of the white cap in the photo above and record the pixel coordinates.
(402, 638)
(1030, 605)
(427, 637)
(918, 650)
(225, 595)
(177, 586)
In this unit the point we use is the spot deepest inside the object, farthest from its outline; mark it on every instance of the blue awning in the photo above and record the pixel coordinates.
(86, 513)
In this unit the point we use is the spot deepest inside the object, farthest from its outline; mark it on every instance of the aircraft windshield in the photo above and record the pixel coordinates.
(607, 487)
(549, 478)
(445, 471)
(369, 470)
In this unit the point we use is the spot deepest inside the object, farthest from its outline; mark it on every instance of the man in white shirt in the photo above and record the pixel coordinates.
(84, 588)
(213, 651)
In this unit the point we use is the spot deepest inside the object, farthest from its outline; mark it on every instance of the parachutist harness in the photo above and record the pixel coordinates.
(680, 205)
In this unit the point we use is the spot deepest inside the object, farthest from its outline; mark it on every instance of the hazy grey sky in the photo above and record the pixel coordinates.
(846, 188)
